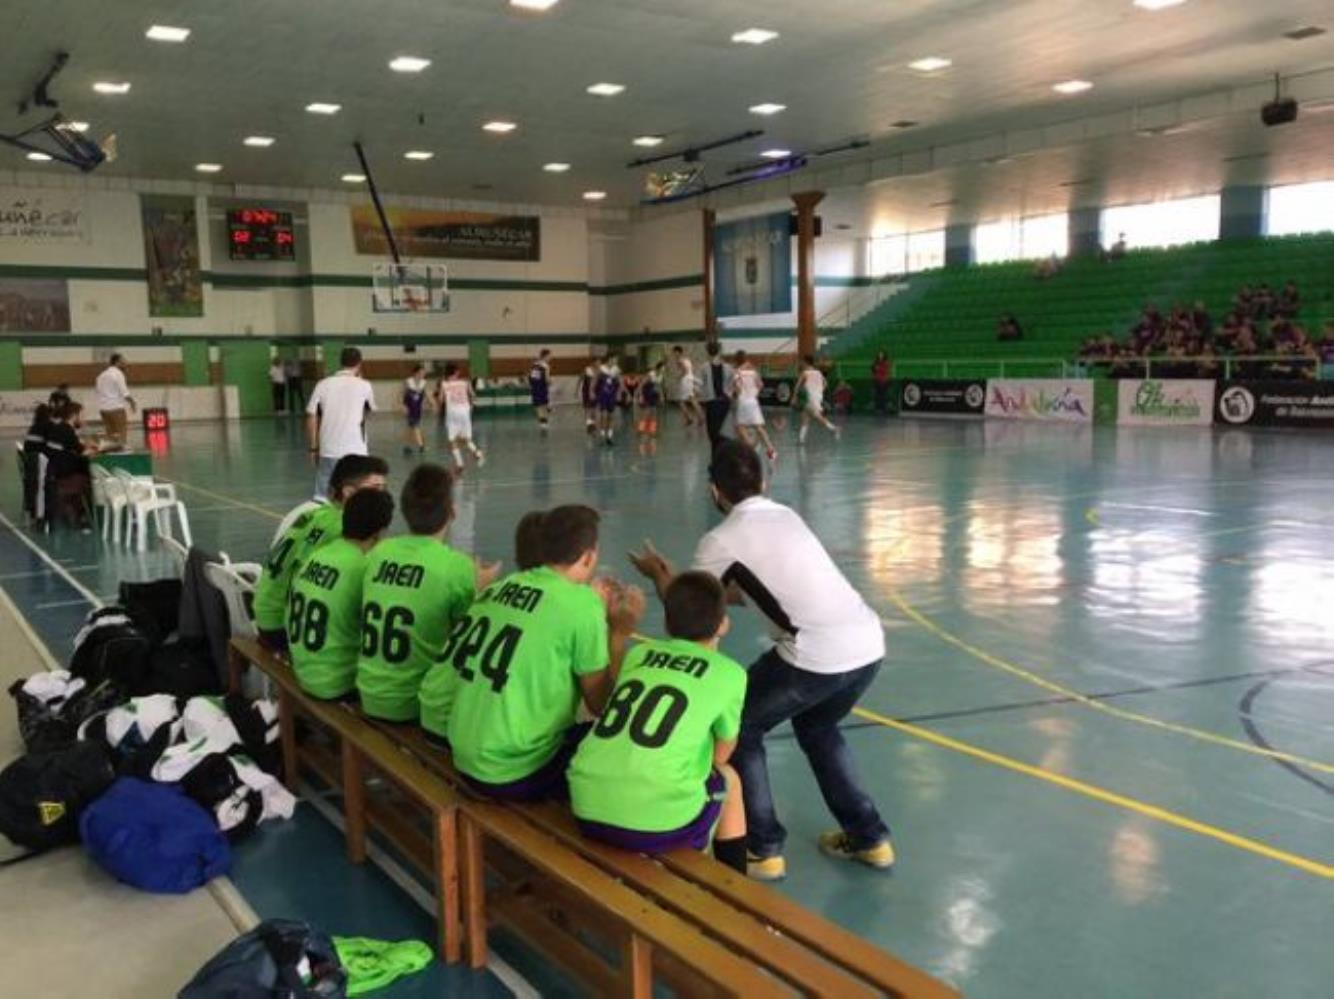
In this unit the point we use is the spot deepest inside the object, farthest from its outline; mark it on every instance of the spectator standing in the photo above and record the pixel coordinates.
(718, 380)
(336, 416)
(880, 370)
(113, 396)
(278, 384)
(296, 386)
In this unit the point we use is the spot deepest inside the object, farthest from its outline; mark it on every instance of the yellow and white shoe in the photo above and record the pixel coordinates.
(839, 844)
(766, 868)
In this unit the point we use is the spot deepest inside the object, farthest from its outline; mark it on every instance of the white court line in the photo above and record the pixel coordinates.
(33, 638)
(60, 570)
(51, 605)
(1161, 509)
(45, 572)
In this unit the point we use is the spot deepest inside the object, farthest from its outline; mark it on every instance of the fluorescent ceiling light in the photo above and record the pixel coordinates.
(606, 89)
(259, 141)
(108, 87)
(776, 154)
(166, 33)
(73, 126)
(208, 167)
(649, 141)
(556, 167)
(408, 64)
(417, 154)
(319, 107)
(1072, 87)
(930, 64)
(1158, 4)
(353, 178)
(595, 195)
(499, 127)
(37, 157)
(767, 109)
(754, 36)
(534, 4)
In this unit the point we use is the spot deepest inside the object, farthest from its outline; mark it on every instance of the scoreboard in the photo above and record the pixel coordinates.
(260, 234)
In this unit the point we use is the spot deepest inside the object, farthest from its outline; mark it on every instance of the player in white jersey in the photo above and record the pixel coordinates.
(812, 382)
(458, 396)
(749, 416)
(689, 388)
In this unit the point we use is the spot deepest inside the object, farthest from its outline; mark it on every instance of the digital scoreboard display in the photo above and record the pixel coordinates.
(260, 234)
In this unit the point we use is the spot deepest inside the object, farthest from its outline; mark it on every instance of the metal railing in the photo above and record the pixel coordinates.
(1194, 366)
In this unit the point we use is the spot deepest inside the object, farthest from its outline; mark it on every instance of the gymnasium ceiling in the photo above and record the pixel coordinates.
(1172, 109)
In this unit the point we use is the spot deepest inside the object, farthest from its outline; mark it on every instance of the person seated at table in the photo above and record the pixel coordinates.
(68, 490)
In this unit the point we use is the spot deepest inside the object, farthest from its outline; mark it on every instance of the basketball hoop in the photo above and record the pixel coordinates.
(409, 286)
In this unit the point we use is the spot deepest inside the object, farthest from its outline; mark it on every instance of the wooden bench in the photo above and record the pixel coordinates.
(681, 918)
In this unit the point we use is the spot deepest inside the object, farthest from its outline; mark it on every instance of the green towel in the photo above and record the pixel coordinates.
(374, 964)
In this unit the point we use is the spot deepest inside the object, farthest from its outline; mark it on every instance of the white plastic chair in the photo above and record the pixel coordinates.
(234, 580)
(148, 497)
(111, 498)
(178, 552)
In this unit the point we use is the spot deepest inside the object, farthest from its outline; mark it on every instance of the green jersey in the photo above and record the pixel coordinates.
(644, 765)
(519, 653)
(324, 619)
(414, 589)
(316, 526)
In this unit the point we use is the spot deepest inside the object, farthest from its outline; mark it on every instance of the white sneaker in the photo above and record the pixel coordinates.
(481, 458)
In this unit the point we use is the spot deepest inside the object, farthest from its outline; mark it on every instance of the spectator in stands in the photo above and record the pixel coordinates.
(1244, 302)
(1118, 249)
(1265, 301)
(842, 398)
(1289, 303)
(880, 371)
(1047, 268)
(1008, 328)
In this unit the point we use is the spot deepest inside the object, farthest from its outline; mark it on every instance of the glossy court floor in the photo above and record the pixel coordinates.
(1104, 734)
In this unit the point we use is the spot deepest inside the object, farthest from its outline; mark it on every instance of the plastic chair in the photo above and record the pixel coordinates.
(148, 497)
(236, 581)
(111, 498)
(178, 552)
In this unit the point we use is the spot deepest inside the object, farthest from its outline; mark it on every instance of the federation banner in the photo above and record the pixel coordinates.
(427, 232)
(752, 266)
(1157, 402)
(1276, 404)
(1053, 400)
(953, 396)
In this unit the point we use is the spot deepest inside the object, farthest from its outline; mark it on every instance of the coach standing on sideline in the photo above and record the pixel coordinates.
(113, 395)
(718, 379)
(828, 648)
(336, 416)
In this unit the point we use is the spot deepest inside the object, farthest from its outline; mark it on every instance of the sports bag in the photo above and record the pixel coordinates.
(110, 646)
(42, 795)
(278, 959)
(155, 607)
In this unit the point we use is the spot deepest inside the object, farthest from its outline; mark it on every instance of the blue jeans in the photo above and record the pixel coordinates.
(323, 473)
(815, 703)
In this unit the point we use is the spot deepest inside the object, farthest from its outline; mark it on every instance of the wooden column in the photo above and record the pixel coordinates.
(710, 319)
(806, 202)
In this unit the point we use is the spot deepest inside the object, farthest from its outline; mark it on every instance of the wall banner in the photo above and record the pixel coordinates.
(171, 254)
(34, 305)
(30, 216)
(1158, 402)
(1048, 399)
(426, 232)
(957, 396)
(752, 266)
(1276, 404)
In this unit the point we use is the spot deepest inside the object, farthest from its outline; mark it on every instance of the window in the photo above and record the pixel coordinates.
(1162, 223)
(1022, 239)
(907, 254)
(1300, 208)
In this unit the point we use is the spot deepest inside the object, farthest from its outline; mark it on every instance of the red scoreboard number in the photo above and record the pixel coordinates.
(157, 418)
(260, 234)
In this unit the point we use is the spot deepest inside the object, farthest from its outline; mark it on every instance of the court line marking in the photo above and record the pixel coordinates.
(273, 514)
(1156, 812)
(60, 570)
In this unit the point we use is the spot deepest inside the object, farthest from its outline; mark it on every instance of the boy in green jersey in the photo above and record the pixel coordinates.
(324, 610)
(315, 523)
(530, 649)
(652, 776)
(414, 589)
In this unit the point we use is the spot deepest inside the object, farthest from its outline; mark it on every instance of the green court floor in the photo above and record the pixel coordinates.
(1103, 733)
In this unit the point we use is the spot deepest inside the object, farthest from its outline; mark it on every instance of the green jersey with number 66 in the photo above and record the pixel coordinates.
(414, 589)
(324, 619)
(518, 654)
(645, 763)
(311, 529)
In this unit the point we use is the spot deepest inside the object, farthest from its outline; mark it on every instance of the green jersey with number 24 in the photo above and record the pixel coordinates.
(311, 529)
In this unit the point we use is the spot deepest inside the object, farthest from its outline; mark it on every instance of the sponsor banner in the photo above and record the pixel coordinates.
(171, 251)
(958, 396)
(1158, 402)
(428, 232)
(1050, 399)
(1276, 404)
(34, 305)
(753, 266)
(42, 216)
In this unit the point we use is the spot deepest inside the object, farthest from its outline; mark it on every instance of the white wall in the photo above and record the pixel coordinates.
(654, 249)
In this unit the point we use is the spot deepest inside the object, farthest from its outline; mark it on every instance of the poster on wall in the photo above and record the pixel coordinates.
(1155, 402)
(34, 305)
(42, 216)
(752, 264)
(1276, 404)
(171, 252)
(426, 232)
(1048, 399)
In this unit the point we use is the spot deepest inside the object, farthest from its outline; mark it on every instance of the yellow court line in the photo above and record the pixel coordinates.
(1107, 797)
(272, 515)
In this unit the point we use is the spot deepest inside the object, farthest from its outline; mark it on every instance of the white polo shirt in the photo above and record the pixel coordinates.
(111, 389)
(342, 400)
(819, 622)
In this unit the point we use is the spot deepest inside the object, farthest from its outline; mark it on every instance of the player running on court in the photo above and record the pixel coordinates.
(458, 395)
(539, 386)
(414, 402)
(607, 394)
(650, 398)
(749, 415)
(812, 383)
(689, 388)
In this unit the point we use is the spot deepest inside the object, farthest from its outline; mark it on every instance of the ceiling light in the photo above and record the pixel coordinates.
(499, 127)
(648, 141)
(754, 36)
(417, 154)
(1072, 87)
(318, 107)
(606, 89)
(73, 126)
(37, 157)
(903, 123)
(776, 154)
(556, 167)
(165, 33)
(595, 195)
(1301, 34)
(408, 64)
(353, 178)
(534, 4)
(259, 141)
(767, 109)
(208, 167)
(930, 64)
(107, 87)
(1157, 4)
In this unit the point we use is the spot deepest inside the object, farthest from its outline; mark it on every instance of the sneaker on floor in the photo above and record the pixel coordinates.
(766, 868)
(481, 458)
(839, 844)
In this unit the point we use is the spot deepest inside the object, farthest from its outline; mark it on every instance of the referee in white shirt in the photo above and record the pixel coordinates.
(336, 416)
(113, 395)
(828, 645)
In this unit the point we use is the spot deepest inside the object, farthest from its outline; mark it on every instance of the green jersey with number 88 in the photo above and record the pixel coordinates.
(324, 619)
(518, 654)
(645, 764)
(414, 589)
(311, 529)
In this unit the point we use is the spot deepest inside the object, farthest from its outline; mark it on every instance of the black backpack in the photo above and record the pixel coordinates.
(42, 795)
(155, 607)
(110, 646)
(278, 959)
(48, 726)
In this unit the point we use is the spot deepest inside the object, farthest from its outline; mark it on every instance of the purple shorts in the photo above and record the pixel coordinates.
(693, 836)
(274, 641)
(545, 783)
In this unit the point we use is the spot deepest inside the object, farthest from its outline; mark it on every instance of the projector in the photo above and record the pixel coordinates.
(1281, 111)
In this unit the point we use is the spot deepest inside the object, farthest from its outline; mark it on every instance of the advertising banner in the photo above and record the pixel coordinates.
(42, 216)
(753, 266)
(1157, 402)
(1276, 404)
(171, 251)
(960, 397)
(34, 305)
(429, 232)
(1054, 400)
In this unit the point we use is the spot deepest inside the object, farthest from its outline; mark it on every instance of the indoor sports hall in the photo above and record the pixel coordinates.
(1035, 302)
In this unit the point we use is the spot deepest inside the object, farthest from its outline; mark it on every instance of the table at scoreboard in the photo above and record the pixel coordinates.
(260, 234)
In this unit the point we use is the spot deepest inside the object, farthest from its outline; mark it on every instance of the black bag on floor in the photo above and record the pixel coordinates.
(154, 607)
(278, 959)
(47, 726)
(183, 669)
(110, 646)
(43, 794)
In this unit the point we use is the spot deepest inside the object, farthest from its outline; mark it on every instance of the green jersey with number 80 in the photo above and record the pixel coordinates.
(414, 589)
(518, 654)
(645, 763)
(311, 529)
(324, 619)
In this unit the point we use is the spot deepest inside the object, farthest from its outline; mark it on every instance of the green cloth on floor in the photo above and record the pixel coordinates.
(374, 964)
